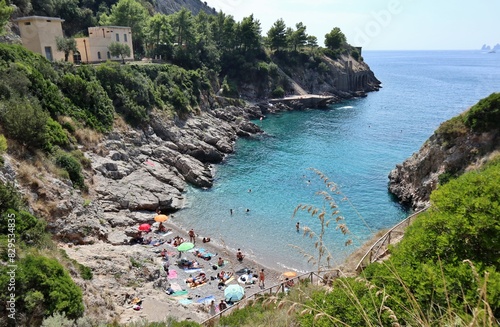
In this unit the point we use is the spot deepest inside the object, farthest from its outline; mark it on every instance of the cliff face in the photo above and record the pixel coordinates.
(172, 6)
(413, 181)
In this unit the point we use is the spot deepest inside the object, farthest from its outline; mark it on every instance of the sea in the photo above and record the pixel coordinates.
(353, 144)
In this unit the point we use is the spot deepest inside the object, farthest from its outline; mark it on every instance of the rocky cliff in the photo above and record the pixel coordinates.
(173, 6)
(442, 156)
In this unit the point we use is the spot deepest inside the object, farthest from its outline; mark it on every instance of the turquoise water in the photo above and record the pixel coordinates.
(355, 143)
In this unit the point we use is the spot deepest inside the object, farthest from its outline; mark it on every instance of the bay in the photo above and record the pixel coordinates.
(355, 144)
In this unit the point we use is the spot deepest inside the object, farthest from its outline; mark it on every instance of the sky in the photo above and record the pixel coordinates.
(382, 24)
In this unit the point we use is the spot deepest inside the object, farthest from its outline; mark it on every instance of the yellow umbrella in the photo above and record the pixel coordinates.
(289, 274)
(161, 218)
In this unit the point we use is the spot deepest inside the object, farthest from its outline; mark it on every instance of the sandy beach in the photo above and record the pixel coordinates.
(127, 272)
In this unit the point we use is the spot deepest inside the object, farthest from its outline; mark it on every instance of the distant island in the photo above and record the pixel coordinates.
(492, 49)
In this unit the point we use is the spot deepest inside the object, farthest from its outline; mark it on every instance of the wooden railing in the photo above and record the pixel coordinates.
(274, 290)
(381, 246)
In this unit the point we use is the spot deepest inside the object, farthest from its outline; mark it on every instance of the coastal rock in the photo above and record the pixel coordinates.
(413, 181)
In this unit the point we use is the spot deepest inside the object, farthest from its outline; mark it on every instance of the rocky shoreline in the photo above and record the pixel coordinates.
(131, 174)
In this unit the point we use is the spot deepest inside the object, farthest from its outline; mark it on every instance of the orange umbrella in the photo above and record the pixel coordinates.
(289, 274)
(161, 218)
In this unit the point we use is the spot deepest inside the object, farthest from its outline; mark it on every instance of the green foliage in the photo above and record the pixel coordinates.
(355, 54)
(66, 45)
(350, 302)
(86, 93)
(24, 121)
(42, 288)
(5, 12)
(9, 198)
(132, 93)
(276, 35)
(278, 92)
(57, 320)
(85, 272)
(334, 39)
(118, 49)
(462, 224)
(229, 88)
(451, 129)
(239, 317)
(484, 116)
(72, 166)
(3, 144)
(129, 13)
(55, 136)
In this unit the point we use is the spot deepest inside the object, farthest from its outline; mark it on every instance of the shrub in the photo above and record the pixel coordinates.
(484, 115)
(96, 108)
(355, 55)
(3, 144)
(72, 166)
(55, 136)
(278, 92)
(85, 272)
(42, 288)
(25, 122)
(9, 198)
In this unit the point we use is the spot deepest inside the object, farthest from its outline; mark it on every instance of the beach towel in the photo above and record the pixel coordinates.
(206, 299)
(192, 270)
(185, 301)
(180, 293)
(172, 274)
(193, 287)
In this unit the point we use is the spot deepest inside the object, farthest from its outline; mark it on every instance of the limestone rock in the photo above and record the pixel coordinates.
(413, 181)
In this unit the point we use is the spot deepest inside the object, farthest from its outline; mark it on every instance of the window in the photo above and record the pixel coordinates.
(99, 55)
(48, 53)
(125, 38)
(77, 57)
(27, 23)
(117, 37)
(109, 55)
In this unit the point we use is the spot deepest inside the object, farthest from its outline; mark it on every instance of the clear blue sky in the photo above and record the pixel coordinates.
(382, 24)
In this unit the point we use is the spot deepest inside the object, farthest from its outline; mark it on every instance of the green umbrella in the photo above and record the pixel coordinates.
(185, 246)
(233, 293)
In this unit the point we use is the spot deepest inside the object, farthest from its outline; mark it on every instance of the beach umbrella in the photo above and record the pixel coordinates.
(185, 246)
(145, 227)
(161, 218)
(234, 293)
(289, 274)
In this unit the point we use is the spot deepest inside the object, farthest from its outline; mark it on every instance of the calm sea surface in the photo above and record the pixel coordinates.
(355, 143)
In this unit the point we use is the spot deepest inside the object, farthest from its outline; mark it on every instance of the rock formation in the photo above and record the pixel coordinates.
(413, 181)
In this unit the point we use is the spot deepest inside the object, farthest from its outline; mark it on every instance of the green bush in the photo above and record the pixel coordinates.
(42, 288)
(355, 55)
(55, 136)
(10, 198)
(85, 272)
(3, 144)
(89, 96)
(484, 115)
(25, 122)
(278, 92)
(72, 166)
(462, 224)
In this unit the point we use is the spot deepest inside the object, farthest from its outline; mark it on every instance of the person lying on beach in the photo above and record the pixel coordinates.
(187, 264)
(224, 276)
(178, 241)
(206, 239)
(198, 280)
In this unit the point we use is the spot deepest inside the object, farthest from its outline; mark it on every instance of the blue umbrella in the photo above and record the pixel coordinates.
(233, 293)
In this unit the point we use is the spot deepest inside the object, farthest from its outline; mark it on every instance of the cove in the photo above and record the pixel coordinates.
(355, 143)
